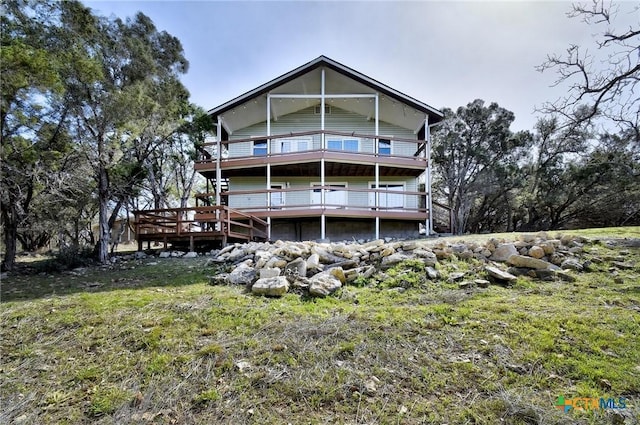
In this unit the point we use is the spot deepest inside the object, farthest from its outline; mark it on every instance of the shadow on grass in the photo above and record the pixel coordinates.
(35, 280)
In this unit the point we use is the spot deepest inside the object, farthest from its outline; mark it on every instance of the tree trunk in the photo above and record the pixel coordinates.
(103, 216)
(10, 238)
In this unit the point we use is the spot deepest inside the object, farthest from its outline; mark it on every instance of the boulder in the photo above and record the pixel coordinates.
(190, 254)
(267, 272)
(536, 252)
(571, 264)
(271, 287)
(242, 275)
(498, 274)
(313, 263)
(295, 269)
(164, 254)
(323, 284)
(531, 263)
(427, 256)
(392, 260)
(503, 251)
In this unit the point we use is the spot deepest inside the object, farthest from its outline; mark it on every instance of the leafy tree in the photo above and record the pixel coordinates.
(120, 119)
(80, 92)
(34, 115)
(594, 90)
(474, 151)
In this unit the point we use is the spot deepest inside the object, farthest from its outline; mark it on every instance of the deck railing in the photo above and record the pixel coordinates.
(200, 222)
(290, 143)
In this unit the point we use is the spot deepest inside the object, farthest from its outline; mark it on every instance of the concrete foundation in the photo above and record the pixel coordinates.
(338, 229)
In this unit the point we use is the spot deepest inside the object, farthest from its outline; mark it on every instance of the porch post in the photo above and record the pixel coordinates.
(323, 220)
(218, 172)
(427, 136)
(376, 146)
(218, 156)
(268, 165)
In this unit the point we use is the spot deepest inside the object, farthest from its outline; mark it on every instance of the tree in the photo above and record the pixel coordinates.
(543, 196)
(473, 150)
(35, 146)
(118, 118)
(595, 90)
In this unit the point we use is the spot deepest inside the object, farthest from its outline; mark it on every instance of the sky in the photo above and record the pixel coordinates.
(444, 53)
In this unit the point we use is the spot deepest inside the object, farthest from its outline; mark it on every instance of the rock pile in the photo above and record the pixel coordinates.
(320, 269)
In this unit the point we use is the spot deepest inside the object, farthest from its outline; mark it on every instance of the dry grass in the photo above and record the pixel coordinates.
(150, 342)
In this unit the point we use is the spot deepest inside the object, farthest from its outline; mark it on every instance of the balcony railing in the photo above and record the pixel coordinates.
(305, 144)
(338, 201)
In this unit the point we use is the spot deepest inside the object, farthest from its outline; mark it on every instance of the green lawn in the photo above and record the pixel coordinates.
(149, 341)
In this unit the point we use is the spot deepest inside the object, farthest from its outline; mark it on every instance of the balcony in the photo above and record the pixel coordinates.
(299, 154)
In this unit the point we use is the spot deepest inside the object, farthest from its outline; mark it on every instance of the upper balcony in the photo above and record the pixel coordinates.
(299, 154)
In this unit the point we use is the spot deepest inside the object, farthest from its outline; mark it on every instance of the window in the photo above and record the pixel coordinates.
(260, 148)
(384, 147)
(388, 200)
(293, 145)
(348, 145)
(277, 198)
(333, 198)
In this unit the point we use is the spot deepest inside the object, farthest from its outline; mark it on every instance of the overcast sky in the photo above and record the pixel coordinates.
(444, 53)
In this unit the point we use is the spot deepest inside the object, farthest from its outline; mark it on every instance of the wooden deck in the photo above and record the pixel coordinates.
(198, 226)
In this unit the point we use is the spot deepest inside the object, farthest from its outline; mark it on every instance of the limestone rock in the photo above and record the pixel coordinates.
(503, 252)
(323, 284)
(296, 268)
(456, 276)
(531, 263)
(271, 287)
(164, 254)
(191, 255)
(572, 264)
(432, 273)
(242, 275)
(313, 263)
(427, 256)
(496, 273)
(392, 260)
(219, 279)
(267, 272)
(536, 252)
(338, 273)
(481, 283)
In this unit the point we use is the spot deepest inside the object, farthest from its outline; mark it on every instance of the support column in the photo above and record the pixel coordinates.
(376, 147)
(268, 166)
(323, 219)
(427, 136)
(218, 157)
(217, 225)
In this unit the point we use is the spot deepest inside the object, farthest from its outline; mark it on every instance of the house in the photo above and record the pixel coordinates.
(321, 152)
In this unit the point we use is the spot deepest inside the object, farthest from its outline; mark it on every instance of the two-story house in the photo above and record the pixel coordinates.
(323, 152)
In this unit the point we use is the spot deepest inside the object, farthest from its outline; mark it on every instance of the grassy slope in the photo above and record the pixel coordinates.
(153, 343)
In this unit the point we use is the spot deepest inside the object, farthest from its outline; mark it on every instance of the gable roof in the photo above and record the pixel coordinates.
(340, 71)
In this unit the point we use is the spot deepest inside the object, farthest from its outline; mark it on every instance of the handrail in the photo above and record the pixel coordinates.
(313, 133)
(220, 220)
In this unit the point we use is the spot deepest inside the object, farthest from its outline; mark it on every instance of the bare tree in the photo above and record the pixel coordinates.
(601, 82)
